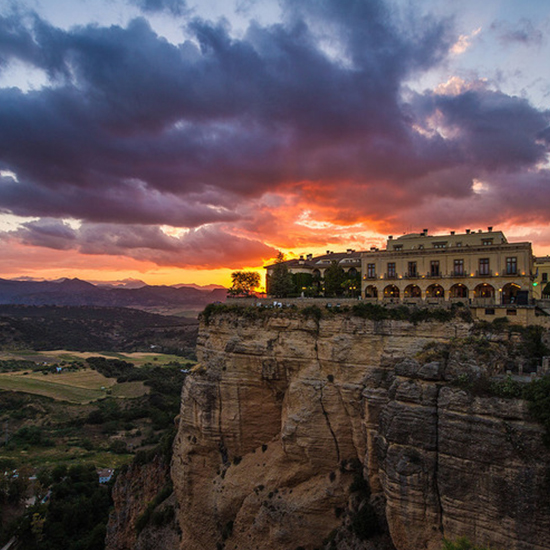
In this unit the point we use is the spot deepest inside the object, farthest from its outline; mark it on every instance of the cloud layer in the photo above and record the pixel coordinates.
(235, 138)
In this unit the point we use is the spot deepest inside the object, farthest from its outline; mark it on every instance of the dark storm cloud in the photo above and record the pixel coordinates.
(136, 130)
(208, 246)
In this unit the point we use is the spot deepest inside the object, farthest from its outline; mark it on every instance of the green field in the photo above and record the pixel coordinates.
(49, 388)
(57, 356)
(83, 386)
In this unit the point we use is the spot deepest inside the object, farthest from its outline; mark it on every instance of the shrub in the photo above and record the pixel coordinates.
(364, 523)
(461, 543)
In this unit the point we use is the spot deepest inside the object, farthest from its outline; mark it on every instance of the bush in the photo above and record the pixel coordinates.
(365, 523)
(461, 543)
(538, 395)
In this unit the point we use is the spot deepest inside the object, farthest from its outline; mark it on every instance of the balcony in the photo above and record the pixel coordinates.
(460, 273)
(484, 273)
(411, 276)
(390, 276)
(370, 277)
(431, 275)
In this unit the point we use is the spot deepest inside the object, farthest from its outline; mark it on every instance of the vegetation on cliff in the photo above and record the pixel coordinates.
(373, 312)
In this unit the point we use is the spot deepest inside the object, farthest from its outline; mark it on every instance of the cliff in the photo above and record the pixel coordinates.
(142, 516)
(299, 432)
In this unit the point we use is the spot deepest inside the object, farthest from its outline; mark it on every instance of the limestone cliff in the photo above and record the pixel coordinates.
(136, 499)
(287, 412)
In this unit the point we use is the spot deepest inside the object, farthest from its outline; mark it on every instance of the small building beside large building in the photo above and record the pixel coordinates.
(479, 268)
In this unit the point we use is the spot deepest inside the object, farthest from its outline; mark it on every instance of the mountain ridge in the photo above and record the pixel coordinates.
(77, 292)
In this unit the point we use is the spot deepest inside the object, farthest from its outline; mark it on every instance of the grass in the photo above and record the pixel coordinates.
(48, 388)
(81, 387)
(63, 454)
(86, 378)
(129, 390)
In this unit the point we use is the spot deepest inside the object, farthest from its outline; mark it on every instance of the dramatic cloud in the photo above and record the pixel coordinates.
(234, 139)
(206, 247)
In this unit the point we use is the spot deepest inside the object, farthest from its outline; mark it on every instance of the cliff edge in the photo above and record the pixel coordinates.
(304, 431)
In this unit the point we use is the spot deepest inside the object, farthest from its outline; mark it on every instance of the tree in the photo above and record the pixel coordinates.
(280, 280)
(244, 282)
(334, 278)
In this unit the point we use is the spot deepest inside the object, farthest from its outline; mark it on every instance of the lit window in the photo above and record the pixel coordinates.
(391, 269)
(459, 267)
(484, 266)
(511, 266)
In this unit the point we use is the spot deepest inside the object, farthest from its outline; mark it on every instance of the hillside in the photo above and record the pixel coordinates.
(85, 328)
(75, 292)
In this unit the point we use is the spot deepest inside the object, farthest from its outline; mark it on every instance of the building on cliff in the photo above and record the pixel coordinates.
(481, 268)
(475, 267)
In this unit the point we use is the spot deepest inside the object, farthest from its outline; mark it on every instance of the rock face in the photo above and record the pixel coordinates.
(283, 404)
(134, 490)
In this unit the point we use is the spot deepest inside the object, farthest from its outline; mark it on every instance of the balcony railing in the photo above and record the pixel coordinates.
(390, 276)
(484, 273)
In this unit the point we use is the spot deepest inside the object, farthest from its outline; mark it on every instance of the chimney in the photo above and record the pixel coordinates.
(490, 228)
(467, 231)
(424, 232)
(309, 257)
(302, 257)
(390, 237)
(452, 232)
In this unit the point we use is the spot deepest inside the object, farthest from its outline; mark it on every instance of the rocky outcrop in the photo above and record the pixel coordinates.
(135, 495)
(287, 415)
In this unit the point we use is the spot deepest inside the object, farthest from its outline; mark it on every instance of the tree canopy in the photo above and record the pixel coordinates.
(244, 283)
(280, 280)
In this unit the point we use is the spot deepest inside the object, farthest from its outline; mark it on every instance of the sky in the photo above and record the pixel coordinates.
(176, 141)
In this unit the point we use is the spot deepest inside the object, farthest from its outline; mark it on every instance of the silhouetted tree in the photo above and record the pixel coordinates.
(244, 282)
(280, 280)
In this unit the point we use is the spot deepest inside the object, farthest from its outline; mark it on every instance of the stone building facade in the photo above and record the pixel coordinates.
(478, 268)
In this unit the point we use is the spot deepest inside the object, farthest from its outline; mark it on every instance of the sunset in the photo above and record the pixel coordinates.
(275, 274)
(175, 141)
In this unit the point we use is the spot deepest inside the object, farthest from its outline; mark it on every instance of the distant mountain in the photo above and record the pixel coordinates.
(124, 283)
(198, 287)
(75, 292)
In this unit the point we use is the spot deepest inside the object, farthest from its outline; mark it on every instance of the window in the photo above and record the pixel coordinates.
(458, 267)
(398, 247)
(459, 244)
(545, 277)
(371, 271)
(420, 247)
(484, 266)
(391, 269)
(434, 268)
(511, 266)
(511, 312)
(489, 311)
(411, 269)
(440, 245)
(487, 242)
